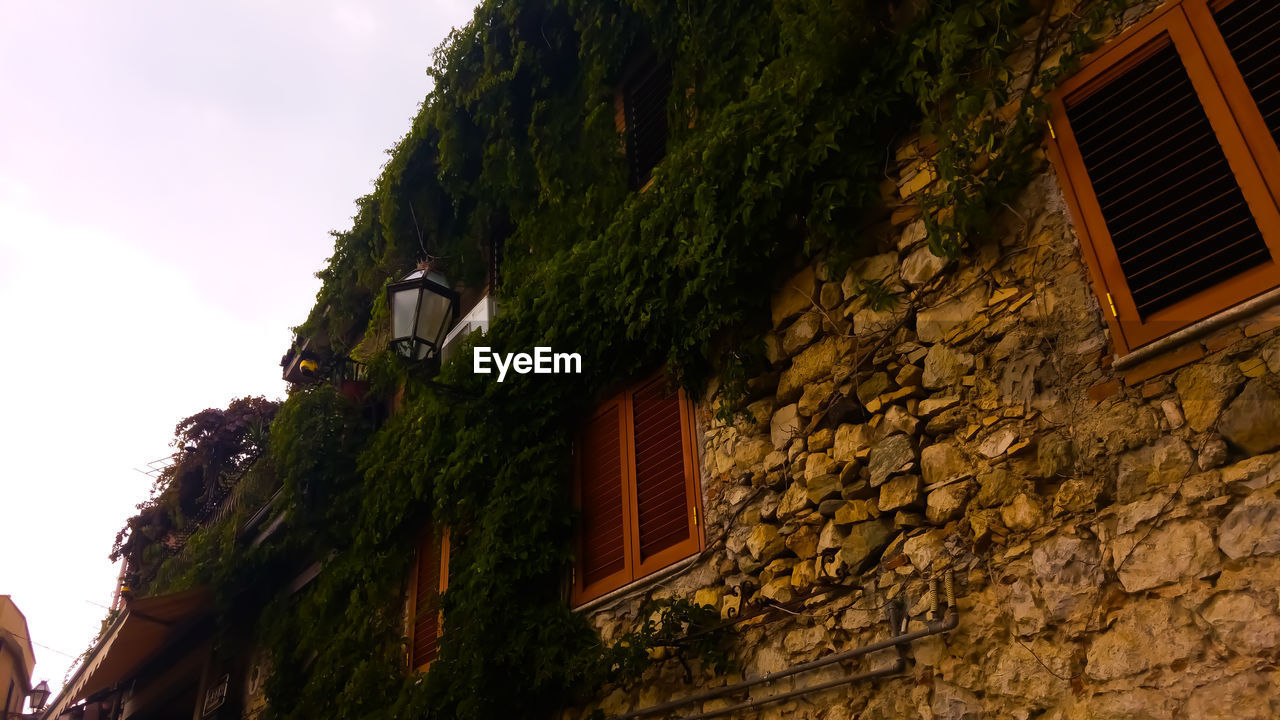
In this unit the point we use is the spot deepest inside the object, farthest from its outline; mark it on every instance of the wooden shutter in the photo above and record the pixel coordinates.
(1251, 29)
(663, 480)
(1173, 207)
(637, 488)
(426, 605)
(1165, 189)
(1241, 39)
(644, 97)
(602, 502)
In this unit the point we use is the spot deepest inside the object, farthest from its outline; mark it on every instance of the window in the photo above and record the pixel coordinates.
(1166, 146)
(636, 488)
(641, 114)
(430, 580)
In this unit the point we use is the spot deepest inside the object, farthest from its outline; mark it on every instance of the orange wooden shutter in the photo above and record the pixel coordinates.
(426, 606)
(663, 479)
(1251, 29)
(604, 526)
(1166, 191)
(1176, 214)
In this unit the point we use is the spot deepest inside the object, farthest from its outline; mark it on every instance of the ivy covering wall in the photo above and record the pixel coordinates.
(778, 151)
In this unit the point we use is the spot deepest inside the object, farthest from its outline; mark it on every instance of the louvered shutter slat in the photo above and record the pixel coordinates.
(1175, 212)
(661, 485)
(603, 547)
(645, 102)
(426, 608)
(1251, 29)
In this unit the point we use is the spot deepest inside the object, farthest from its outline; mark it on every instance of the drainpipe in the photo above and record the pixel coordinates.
(932, 627)
(898, 666)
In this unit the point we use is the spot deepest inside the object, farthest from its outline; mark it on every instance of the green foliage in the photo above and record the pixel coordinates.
(694, 633)
(986, 120)
(215, 447)
(878, 296)
(778, 149)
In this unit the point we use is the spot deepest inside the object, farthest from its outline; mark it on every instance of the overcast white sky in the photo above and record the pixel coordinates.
(169, 172)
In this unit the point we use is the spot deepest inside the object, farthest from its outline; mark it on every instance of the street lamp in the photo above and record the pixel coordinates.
(39, 696)
(423, 307)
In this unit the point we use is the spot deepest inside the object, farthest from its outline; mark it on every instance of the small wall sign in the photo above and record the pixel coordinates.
(216, 695)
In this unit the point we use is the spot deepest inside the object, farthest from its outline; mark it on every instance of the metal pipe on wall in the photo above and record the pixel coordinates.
(933, 627)
(898, 666)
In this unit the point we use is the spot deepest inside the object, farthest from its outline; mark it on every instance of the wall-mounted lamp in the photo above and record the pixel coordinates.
(423, 308)
(38, 696)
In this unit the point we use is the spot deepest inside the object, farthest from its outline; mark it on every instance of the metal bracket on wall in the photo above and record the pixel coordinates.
(899, 639)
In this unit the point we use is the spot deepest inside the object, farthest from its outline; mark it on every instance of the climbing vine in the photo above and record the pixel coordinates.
(778, 150)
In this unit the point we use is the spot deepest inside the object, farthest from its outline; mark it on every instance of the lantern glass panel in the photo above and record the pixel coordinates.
(433, 316)
(403, 304)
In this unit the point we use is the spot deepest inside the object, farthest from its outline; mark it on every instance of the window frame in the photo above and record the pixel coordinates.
(1239, 129)
(427, 539)
(635, 568)
(651, 62)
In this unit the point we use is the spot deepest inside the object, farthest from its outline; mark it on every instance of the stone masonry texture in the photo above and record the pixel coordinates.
(1115, 545)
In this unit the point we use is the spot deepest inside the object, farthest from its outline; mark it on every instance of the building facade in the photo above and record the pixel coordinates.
(17, 657)
(1031, 475)
(1065, 438)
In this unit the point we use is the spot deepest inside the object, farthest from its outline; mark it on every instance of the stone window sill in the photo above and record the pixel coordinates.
(636, 587)
(1176, 349)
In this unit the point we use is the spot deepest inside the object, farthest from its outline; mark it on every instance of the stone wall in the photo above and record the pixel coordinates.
(1113, 535)
(1114, 543)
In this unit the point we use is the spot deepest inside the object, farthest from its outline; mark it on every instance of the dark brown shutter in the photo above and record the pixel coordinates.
(1173, 207)
(644, 96)
(496, 244)
(1252, 31)
(426, 606)
(455, 542)
(661, 487)
(603, 535)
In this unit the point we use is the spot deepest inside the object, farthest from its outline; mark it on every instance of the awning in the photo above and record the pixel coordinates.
(145, 628)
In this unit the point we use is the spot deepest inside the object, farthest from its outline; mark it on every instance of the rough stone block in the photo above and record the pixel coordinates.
(1167, 461)
(764, 543)
(794, 501)
(813, 363)
(942, 461)
(933, 324)
(1204, 390)
(921, 266)
(1175, 551)
(803, 542)
(794, 297)
(1022, 513)
(864, 542)
(1244, 622)
(894, 454)
(1253, 526)
(815, 398)
(944, 367)
(900, 492)
(1252, 421)
(947, 503)
(997, 487)
(823, 487)
(1147, 634)
(784, 426)
(801, 332)
(933, 405)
